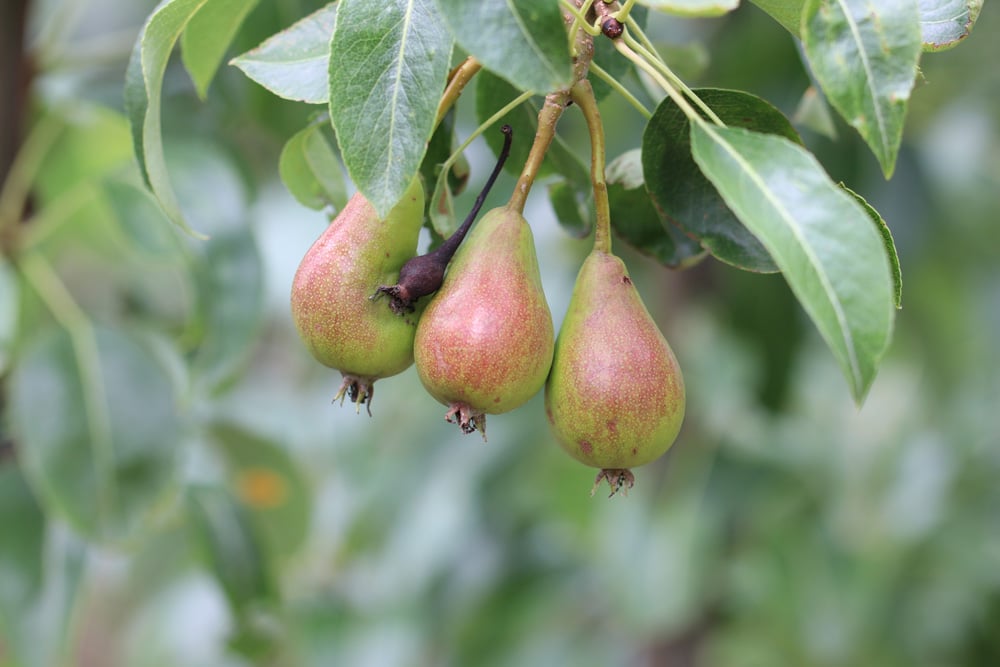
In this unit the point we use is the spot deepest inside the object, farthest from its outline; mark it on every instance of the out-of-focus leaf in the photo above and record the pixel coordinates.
(786, 12)
(226, 269)
(680, 190)
(231, 545)
(294, 63)
(266, 479)
(526, 45)
(574, 213)
(310, 170)
(143, 92)
(40, 569)
(97, 429)
(887, 240)
(140, 219)
(637, 221)
(207, 36)
(814, 114)
(945, 23)
(388, 66)
(822, 240)
(438, 198)
(10, 303)
(864, 56)
(693, 7)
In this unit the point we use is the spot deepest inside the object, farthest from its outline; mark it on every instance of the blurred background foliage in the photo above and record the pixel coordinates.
(238, 519)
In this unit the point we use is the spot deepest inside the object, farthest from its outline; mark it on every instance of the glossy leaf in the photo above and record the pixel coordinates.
(265, 478)
(100, 448)
(945, 23)
(230, 542)
(822, 240)
(637, 221)
(693, 7)
(786, 12)
(143, 92)
(310, 170)
(527, 42)
(680, 190)
(388, 66)
(864, 56)
(207, 36)
(887, 241)
(294, 63)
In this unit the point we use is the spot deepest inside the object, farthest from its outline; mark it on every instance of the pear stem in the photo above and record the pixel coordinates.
(555, 104)
(583, 96)
(458, 79)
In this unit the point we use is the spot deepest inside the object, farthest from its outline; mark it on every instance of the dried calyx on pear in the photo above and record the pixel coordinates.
(424, 274)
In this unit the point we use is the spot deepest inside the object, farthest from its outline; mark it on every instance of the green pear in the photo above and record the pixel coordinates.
(615, 396)
(484, 344)
(331, 308)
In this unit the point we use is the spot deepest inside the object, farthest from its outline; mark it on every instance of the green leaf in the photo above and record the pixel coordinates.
(140, 219)
(945, 23)
(637, 221)
(295, 63)
(100, 448)
(269, 483)
(681, 192)
(786, 12)
(310, 170)
(388, 66)
(822, 240)
(887, 241)
(229, 281)
(693, 7)
(526, 42)
(40, 571)
(230, 543)
(574, 212)
(207, 36)
(864, 56)
(10, 303)
(143, 92)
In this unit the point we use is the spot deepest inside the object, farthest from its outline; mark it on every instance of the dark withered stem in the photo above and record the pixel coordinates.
(424, 274)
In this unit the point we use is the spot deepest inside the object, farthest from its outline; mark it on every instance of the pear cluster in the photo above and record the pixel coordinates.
(484, 343)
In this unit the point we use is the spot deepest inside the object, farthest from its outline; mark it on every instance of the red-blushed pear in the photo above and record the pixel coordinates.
(615, 395)
(484, 343)
(331, 308)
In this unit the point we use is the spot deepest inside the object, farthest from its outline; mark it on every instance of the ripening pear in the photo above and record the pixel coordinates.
(484, 344)
(615, 396)
(342, 327)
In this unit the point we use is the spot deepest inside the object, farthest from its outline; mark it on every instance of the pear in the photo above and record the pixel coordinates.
(484, 343)
(339, 324)
(615, 396)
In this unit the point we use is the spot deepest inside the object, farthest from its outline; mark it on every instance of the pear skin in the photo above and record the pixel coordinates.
(615, 396)
(335, 318)
(484, 344)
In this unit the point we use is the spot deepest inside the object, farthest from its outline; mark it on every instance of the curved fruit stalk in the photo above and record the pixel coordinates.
(341, 327)
(484, 344)
(615, 396)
